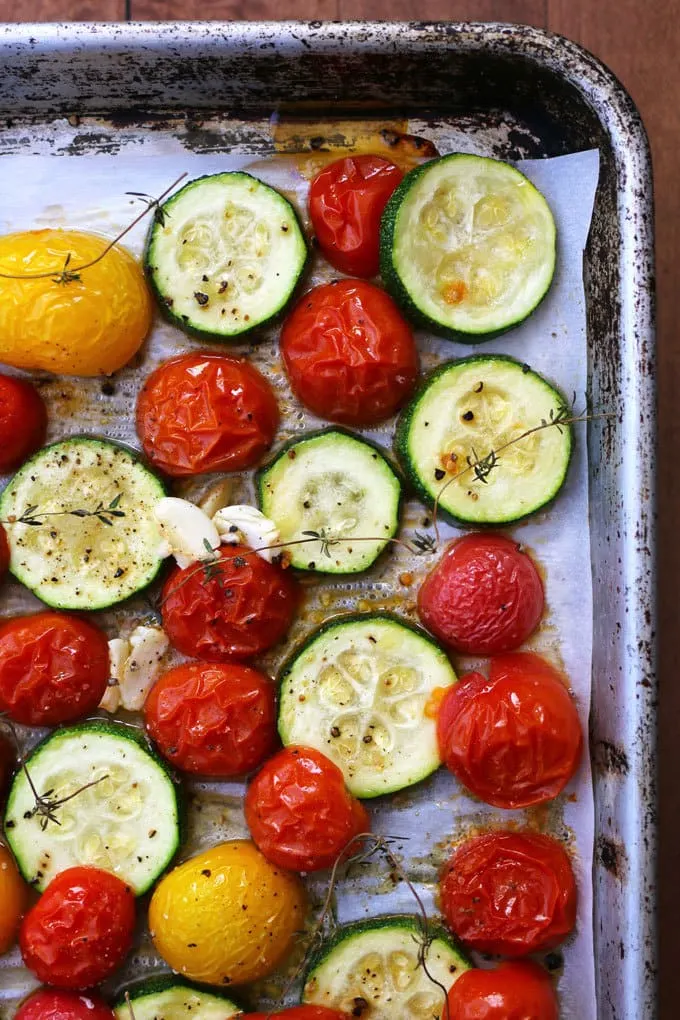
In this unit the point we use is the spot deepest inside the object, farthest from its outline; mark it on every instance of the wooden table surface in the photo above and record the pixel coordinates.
(640, 43)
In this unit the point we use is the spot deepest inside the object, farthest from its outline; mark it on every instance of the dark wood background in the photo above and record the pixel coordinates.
(640, 42)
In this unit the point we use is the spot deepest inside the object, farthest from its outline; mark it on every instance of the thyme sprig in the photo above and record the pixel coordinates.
(358, 851)
(35, 517)
(67, 274)
(46, 804)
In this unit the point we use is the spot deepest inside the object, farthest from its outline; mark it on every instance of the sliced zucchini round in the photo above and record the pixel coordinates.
(473, 411)
(81, 531)
(331, 484)
(467, 246)
(377, 962)
(361, 690)
(226, 255)
(126, 821)
(170, 998)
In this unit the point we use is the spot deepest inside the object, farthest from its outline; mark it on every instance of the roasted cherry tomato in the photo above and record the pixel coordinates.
(4, 551)
(302, 1013)
(53, 668)
(349, 354)
(54, 1005)
(80, 930)
(510, 893)
(243, 608)
(206, 412)
(346, 201)
(483, 597)
(513, 991)
(217, 720)
(23, 421)
(13, 900)
(514, 739)
(299, 811)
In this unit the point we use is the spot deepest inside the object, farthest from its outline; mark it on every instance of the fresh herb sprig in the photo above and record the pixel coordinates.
(67, 274)
(34, 517)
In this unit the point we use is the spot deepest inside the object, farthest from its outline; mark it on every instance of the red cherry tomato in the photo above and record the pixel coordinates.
(511, 893)
(299, 811)
(513, 991)
(80, 930)
(483, 597)
(53, 668)
(346, 201)
(206, 412)
(23, 421)
(514, 739)
(349, 354)
(54, 1005)
(235, 614)
(4, 551)
(302, 1013)
(217, 720)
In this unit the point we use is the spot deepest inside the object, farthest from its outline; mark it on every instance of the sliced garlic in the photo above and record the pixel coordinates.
(135, 664)
(119, 649)
(245, 525)
(187, 533)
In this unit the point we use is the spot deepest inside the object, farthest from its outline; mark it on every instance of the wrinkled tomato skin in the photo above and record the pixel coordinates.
(513, 739)
(349, 354)
(23, 421)
(520, 990)
(242, 611)
(46, 1004)
(485, 596)
(80, 930)
(299, 811)
(54, 668)
(302, 1013)
(206, 412)
(346, 201)
(4, 552)
(213, 719)
(509, 893)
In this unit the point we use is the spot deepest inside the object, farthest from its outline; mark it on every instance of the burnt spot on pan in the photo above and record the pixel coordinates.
(611, 856)
(611, 758)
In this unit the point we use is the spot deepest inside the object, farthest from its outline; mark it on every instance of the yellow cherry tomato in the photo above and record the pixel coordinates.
(13, 899)
(227, 916)
(90, 326)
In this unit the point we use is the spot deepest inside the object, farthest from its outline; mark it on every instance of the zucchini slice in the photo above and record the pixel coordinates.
(331, 483)
(376, 962)
(469, 409)
(360, 689)
(74, 558)
(226, 255)
(467, 246)
(170, 998)
(127, 822)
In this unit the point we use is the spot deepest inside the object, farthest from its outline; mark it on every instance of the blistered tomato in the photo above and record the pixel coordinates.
(55, 1005)
(513, 991)
(346, 201)
(299, 811)
(23, 421)
(483, 597)
(231, 888)
(515, 738)
(80, 930)
(217, 720)
(243, 608)
(511, 893)
(206, 412)
(54, 668)
(91, 324)
(13, 900)
(349, 354)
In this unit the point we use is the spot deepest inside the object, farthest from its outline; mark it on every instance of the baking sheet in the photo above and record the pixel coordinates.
(89, 192)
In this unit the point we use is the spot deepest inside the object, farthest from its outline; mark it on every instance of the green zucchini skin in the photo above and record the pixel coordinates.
(392, 279)
(159, 984)
(119, 731)
(401, 438)
(183, 322)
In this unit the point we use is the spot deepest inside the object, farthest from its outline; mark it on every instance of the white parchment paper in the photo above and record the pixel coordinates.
(88, 192)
